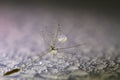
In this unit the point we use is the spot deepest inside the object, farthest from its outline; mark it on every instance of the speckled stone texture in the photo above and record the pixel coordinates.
(88, 47)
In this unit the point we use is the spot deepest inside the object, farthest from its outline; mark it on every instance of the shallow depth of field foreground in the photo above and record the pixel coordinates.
(53, 40)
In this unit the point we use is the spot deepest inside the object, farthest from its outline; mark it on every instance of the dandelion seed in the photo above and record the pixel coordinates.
(12, 72)
(59, 37)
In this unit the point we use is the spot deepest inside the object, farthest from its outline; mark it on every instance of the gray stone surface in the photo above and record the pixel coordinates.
(27, 31)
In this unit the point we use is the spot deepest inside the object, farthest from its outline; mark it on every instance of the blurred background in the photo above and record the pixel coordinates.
(95, 24)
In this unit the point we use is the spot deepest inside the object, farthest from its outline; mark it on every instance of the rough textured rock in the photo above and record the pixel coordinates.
(28, 31)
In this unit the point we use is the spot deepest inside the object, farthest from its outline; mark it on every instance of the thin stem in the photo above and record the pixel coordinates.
(36, 60)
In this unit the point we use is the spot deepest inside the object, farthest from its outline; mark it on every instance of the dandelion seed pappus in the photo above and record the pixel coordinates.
(58, 37)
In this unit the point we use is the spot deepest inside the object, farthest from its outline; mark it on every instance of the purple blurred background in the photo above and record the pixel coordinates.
(94, 23)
